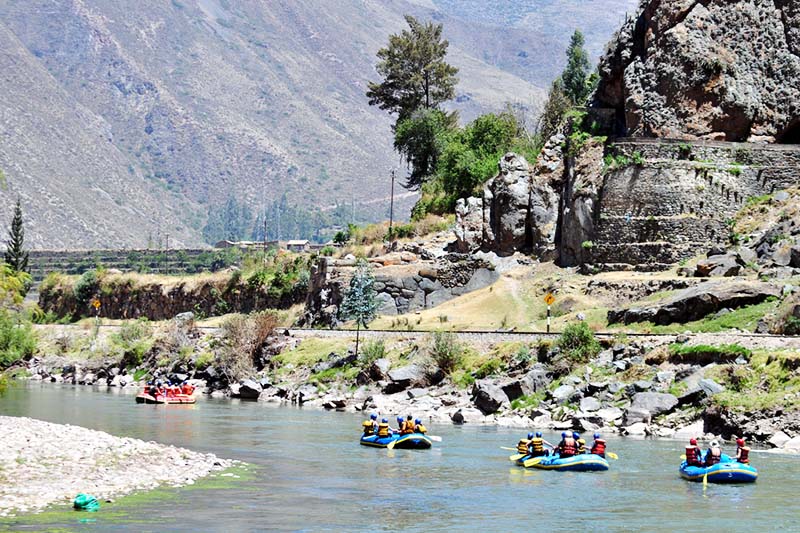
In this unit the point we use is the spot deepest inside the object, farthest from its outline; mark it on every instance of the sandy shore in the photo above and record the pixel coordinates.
(43, 464)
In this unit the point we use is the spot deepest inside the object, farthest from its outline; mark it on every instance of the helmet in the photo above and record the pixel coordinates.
(530, 435)
(373, 416)
(563, 434)
(693, 442)
(538, 433)
(576, 435)
(399, 418)
(418, 421)
(597, 435)
(385, 420)
(714, 443)
(740, 442)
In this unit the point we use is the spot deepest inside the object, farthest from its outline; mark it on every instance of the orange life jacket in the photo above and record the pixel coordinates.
(187, 389)
(599, 447)
(537, 445)
(522, 446)
(743, 455)
(407, 427)
(713, 456)
(693, 456)
(383, 429)
(568, 447)
(368, 428)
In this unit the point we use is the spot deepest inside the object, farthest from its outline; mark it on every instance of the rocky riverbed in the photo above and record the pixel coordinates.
(42, 464)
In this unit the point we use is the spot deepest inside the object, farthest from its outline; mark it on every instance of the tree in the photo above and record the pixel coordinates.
(575, 77)
(359, 302)
(16, 256)
(415, 74)
(420, 139)
(555, 108)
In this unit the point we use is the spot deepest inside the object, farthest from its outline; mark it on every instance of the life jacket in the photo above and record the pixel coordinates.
(744, 454)
(187, 389)
(568, 447)
(407, 427)
(693, 456)
(599, 447)
(522, 446)
(367, 426)
(581, 445)
(383, 429)
(419, 428)
(537, 443)
(713, 456)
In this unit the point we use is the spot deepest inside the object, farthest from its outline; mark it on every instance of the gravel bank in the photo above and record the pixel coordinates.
(43, 464)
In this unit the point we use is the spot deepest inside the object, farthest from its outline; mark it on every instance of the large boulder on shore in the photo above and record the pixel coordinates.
(655, 403)
(249, 390)
(488, 397)
(697, 302)
(404, 377)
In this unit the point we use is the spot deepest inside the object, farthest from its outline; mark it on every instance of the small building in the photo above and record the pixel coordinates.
(247, 245)
(298, 246)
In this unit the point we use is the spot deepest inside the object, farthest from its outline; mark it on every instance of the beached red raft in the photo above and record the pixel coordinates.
(159, 399)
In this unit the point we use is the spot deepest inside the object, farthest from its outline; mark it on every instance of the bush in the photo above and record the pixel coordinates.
(327, 251)
(578, 343)
(489, 368)
(703, 354)
(86, 288)
(371, 352)
(244, 336)
(17, 339)
(134, 340)
(445, 350)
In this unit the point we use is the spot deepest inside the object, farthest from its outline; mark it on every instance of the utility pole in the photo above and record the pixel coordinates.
(166, 254)
(391, 208)
(265, 236)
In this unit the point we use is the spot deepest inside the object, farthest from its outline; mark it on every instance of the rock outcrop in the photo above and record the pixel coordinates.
(713, 69)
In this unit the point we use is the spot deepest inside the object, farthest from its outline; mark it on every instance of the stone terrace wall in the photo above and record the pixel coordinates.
(677, 203)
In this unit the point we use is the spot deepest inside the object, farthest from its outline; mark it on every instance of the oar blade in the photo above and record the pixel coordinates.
(612, 455)
(390, 446)
(516, 457)
(534, 461)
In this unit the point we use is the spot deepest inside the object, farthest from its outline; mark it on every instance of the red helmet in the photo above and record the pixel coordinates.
(740, 442)
(693, 442)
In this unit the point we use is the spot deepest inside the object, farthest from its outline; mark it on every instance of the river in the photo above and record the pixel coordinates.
(310, 474)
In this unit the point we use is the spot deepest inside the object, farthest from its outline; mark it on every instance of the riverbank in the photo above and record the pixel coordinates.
(42, 464)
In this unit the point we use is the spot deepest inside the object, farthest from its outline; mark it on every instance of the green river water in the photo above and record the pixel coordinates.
(310, 474)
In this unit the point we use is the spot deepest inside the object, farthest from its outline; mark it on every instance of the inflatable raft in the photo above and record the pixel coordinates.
(412, 441)
(726, 471)
(160, 399)
(585, 462)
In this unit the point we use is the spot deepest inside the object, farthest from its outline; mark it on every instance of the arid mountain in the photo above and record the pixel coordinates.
(123, 121)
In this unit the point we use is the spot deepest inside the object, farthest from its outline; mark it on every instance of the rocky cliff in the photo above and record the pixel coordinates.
(708, 69)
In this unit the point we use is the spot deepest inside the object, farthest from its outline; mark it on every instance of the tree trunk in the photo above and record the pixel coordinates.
(358, 330)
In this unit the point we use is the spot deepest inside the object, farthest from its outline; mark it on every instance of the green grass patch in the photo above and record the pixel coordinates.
(770, 381)
(527, 402)
(704, 354)
(745, 319)
(311, 351)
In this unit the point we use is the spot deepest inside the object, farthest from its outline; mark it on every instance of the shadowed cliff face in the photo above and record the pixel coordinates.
(710, 69)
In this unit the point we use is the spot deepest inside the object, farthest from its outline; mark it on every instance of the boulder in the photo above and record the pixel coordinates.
(691, 431)
(643, 385)
(467, 415)
(609, 414)
(379, 369)
(697, 302)
(335, 403)
(563, 394)
(779, 439)
(537, 380)
(655, 403)
(515, 389)
(665, 377)
(727, 265)
(402, 378)
(792, 445)
(635, 415)
(488, 397)
(417, 393)
(710, 387)
(692, 396)
(638, 429)
(249, 389)
(589, 405)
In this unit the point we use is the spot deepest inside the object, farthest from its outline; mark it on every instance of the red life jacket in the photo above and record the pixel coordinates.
(713, 458)
(599, 447)
(568, 447)
(693, 456)
(743, 455)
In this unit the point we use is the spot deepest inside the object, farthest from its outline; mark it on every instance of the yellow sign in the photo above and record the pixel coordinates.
(549, 299)
(96, 303)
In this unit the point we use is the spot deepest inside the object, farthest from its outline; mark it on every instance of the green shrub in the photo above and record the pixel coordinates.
(489, 368)
(578, 343)
(445, 350)
(86, 288)
(704, 354)
(17, 339)
(327, 251)
(133, 340)
(371, 352)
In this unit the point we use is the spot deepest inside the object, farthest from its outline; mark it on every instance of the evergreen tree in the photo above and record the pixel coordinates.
(414, 71)
(16, 256)
(554, 110)
(359, 302)
(575, 78)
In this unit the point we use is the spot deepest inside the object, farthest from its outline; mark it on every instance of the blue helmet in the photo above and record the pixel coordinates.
(418, 421)
(538, 433)
(563, 434)
(373, 416)
(597, 435)
(399, 418)
(576, 435)
(530, 435)
(385, 420)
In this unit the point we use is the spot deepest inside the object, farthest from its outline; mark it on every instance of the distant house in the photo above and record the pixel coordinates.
(298, 246)
(246, 245)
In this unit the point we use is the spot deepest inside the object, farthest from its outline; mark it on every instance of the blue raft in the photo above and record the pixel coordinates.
(412, 441)
(726, 471)
(585, 462)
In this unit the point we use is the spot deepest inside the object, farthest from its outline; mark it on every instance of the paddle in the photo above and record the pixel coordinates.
(508, 449)
(612, 455)
(683, 456)
(517, 457)
(533, 461)
(390, 446)
(705, 480)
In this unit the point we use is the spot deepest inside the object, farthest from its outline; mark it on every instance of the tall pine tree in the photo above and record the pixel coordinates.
(16, 256)
(359, 302)
(575, 79)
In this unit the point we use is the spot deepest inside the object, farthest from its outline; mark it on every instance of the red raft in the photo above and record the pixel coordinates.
(165, 399)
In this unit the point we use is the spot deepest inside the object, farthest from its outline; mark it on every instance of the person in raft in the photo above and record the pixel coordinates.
(407, 427)
(418, 427)
(742, 452)
(567, 447)
(383, 428)
(714, 454)
(400, 424)
(187, 389)
(598, 446)
(694, 455)
(523, 446)
(370, 427)
(537, 443)
(580, 443)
